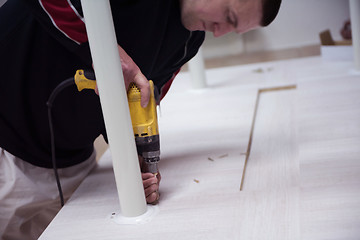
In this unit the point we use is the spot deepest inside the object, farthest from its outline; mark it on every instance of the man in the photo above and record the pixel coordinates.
(44, 42)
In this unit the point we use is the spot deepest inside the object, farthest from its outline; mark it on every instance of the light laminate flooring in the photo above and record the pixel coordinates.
(299, 147)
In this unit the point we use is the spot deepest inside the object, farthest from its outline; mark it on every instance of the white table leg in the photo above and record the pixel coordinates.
(113, 97)
(197, 70)
(355, 28)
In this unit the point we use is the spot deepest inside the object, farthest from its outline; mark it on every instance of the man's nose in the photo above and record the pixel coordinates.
(222, 28)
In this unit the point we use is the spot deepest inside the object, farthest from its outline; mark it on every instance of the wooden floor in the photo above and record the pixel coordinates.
(293, 125)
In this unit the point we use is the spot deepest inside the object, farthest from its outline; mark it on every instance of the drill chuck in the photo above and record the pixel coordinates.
(149, 149)
(152, 164)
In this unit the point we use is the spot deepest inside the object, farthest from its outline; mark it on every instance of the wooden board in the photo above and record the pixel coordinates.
(303, 170)
(273, 162)
(329, 137)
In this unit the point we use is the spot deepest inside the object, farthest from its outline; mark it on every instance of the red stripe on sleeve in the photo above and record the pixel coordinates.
(65, 19)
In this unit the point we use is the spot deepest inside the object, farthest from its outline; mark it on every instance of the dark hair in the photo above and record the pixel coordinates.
(270, 9)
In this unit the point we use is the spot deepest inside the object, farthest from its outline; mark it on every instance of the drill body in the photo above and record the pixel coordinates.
(144, 120)
(145, 126)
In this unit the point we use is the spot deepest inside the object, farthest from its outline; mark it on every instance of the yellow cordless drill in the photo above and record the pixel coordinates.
(144, 120)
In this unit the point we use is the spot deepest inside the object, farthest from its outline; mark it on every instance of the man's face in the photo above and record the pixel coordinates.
(221, 16)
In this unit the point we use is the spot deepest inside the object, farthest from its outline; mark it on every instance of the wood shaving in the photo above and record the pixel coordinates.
(197, 181)
(258, 70)
(261, 70)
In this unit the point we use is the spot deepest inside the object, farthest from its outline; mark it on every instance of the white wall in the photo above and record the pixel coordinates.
(298, 24)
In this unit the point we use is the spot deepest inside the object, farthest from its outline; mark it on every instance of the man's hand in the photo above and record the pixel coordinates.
(151, 187)
(151, 183)
(131, 74)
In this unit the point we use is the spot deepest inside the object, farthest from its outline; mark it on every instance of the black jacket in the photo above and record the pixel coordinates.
(36, 54)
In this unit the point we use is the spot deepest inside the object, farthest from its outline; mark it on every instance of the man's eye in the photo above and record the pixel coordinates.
(230, 19)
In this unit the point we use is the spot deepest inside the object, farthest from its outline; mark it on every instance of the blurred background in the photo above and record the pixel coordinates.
(294, 33)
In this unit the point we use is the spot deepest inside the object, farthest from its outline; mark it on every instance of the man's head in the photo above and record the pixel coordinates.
(223, 16)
